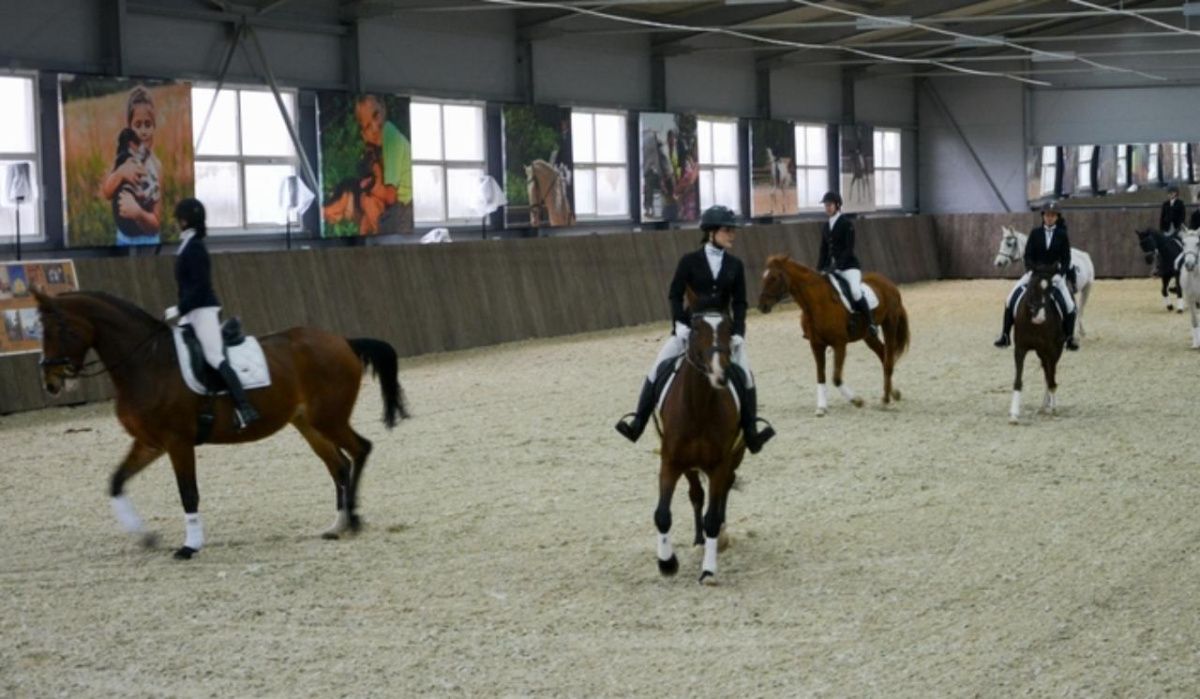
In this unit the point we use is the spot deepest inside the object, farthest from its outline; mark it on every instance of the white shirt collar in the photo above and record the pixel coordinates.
(184, 237)
(713, 250)
(715, 257)
(833, 219)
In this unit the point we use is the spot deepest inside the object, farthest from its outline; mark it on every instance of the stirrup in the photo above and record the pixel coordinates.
(1072, 344)
(627, 429)
(756, 440)
(243, 418)
(1002, 341)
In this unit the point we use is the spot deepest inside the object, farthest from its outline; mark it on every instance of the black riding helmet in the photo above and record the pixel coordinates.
(191, 213)
(832, 197)
(718, 216)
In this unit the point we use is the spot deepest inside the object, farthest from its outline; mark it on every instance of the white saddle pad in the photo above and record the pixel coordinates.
(868, 293)
(246, 358)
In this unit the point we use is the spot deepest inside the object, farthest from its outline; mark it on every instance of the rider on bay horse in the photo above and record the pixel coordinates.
(837, 257)
(718, 280)
(1048, 245)
(198, 304)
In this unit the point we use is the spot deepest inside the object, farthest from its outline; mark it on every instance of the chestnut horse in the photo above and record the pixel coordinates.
(1037, 327)
(824, 321)
(700, 434)
(315, 378)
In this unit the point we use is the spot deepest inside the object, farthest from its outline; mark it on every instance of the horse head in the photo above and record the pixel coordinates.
(774, 283)
(1038, 296)
(66, 338)
(1010, 248)
(1191, 249)
(1147, 244)
(710, 345)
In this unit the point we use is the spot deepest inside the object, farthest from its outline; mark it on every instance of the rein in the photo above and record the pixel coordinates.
(1008, 243)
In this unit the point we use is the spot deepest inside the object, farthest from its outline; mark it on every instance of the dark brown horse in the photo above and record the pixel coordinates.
(825, 322)
(700, 434)
(315, 378)
(1037, 327)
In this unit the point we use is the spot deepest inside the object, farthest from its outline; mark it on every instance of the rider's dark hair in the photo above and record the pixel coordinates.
(191, 213)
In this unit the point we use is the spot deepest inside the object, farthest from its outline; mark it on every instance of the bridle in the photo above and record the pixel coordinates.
(702, 363)
(1009, 243)
(540, 205)
(783, 288)
(75, 371)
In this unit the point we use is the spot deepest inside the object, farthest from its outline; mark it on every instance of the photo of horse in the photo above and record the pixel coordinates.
(858, 167)
(538, 166)
(670, 169)
(772, 168)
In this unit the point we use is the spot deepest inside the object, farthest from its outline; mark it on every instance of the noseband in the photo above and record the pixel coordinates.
(1009, 243)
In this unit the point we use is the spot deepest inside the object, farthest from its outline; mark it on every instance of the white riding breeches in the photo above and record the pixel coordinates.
(1059, 283)
(206, 323)
(853, 279)
(676, 345)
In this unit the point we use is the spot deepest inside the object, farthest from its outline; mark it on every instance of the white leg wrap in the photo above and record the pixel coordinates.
(1014, 412)
(822, 397)
(710, 555)
(340, 524)
(846, 392)
(1195, 337)
(665, 550)
(194, 531)
(126, 515)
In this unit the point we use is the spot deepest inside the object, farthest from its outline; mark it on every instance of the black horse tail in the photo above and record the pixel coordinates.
(381, 358)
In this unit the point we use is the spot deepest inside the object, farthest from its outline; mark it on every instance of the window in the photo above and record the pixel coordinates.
(598, 142)
(1175, 158)
(812, 164)
(717, 148)
(449, 161)
(1049, 169)
(1154, 178)
(1083, 182)
(1122, 166)
(18, 144)
(243, 155)
(887, 168)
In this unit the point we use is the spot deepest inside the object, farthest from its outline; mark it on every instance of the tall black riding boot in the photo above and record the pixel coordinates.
(633, 429)
(1069, 329)
(749, 419)
(1003, 340)
(244, 413)
(861, 306)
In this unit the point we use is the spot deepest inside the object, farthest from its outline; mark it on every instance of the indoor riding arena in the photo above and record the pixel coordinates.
(505, 541)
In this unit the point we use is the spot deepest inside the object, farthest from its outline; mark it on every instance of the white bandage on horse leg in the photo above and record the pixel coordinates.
(194, 531)
(1015, 410)
(665, 550)
(822, 398)
(846, 392)
(126, 515)
(710, 555)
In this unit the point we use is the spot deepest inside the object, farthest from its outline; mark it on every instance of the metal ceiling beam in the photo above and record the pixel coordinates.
(252, 19)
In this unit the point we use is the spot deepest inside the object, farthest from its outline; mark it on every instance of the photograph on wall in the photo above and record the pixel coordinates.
(1033, 173)
(772, 168)
(1070, 171)
(1139, 164)
(670, 168)
(858, 167)
(22, 324)
(1106, 169)
(127, 159)
(366, 164)
(538, 166)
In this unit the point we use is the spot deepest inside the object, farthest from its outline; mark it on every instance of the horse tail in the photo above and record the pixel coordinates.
(902, 334)
(380, 357)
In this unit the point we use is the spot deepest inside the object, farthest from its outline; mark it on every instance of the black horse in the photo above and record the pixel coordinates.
(1167, 249)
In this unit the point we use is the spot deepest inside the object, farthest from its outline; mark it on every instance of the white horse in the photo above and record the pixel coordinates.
(781, 178)
(1012, 248)
(1189, 279)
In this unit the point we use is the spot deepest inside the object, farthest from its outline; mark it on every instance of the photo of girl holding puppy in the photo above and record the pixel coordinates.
(132, 185)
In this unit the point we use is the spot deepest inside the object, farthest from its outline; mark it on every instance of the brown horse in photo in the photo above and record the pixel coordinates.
(315, 379)
(700, 434)
(548, 200)
(1037, 327)
(825, 322)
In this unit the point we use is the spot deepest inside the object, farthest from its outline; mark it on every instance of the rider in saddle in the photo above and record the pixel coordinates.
(837, 257)
(198, 304)
(718, 280)
(1170, 220)
(1048, 245)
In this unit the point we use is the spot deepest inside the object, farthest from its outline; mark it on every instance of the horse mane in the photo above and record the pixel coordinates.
(128, 307)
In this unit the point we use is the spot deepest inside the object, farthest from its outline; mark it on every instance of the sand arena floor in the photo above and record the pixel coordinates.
(930, 550)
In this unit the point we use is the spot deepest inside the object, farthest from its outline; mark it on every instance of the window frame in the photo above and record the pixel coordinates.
(706, 163)
(595, 164)
(798, 129)
(443, 163)
(1049, 184)
(242, 160)
(880, 133)
(1122, 166)
(37, 175)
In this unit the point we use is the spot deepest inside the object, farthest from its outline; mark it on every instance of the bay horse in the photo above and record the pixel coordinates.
(315, 379)
(700, 434)
(547, 184)
(1012, 249)
(825, 322)
(1037, 327)
(1166, 248)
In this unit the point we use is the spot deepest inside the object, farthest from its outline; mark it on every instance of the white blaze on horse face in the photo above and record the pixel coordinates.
(715, 374)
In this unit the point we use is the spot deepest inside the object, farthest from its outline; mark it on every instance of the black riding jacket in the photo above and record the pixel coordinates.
(837, 245)
(1172, 215)
(193, 274)
(726, 293)
(1058, 254)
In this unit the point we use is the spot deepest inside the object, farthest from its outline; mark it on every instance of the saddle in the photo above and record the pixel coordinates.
(669, 369)
(842, 287)
(244, 353)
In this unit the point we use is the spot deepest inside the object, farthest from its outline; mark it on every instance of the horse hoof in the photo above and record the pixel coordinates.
(356, 523)
(895, 394)
(185, 553)
(1014, 420)
(856, 402)
(149, 540)
(708, 578)
(670, 566)
(820, 412)
(330, 536)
